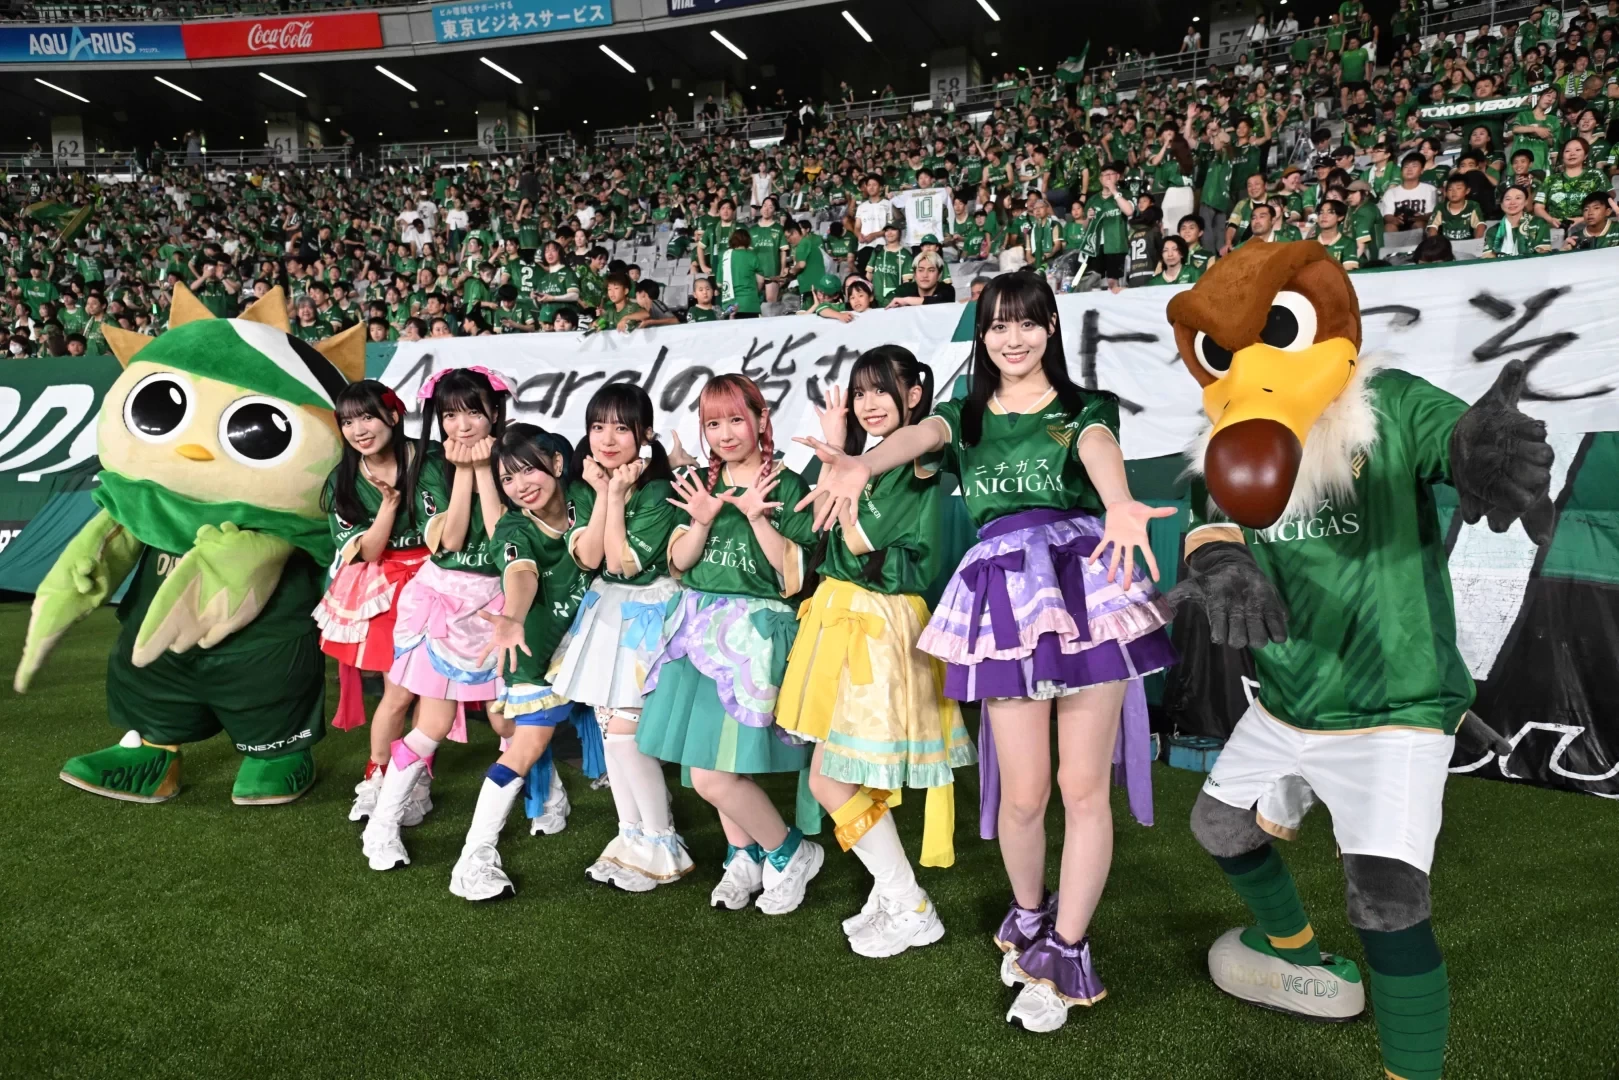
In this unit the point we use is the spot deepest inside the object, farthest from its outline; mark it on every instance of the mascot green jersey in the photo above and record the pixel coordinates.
(1321, 549)
(214, 444)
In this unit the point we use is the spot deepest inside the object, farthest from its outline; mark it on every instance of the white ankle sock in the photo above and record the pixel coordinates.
(882, 853)
(489, 816)
(620, 775)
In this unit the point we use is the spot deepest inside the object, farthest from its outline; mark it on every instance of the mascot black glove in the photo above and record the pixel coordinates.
(1243, 606)
(1500, 461)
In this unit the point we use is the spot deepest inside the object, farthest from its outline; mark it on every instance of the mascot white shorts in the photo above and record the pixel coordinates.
(1385, 788)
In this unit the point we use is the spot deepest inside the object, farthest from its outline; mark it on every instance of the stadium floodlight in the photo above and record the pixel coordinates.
(723, 40)
(60, 90)
(617, 59)
(492, 66)
(177, 89)
(855, 23)
(384, 71)
(267, 77)
(991, 12)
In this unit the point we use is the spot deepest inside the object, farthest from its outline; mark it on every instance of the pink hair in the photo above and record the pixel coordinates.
(736, 395)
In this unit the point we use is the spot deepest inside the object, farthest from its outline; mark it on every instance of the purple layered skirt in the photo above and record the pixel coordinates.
(1026, 615)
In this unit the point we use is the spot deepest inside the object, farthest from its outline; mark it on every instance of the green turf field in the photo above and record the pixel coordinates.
(199, 939)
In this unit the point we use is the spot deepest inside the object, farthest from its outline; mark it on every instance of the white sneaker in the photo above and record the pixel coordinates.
(784, 889)
(897, 926)
(1038, 1008)
(867, 910)
(553, 817)
(478, 876)
(632, 880)
(365, 795)
(601, 871)
(743, 877)
(385, 852)
(600, 783)
(1011, 974)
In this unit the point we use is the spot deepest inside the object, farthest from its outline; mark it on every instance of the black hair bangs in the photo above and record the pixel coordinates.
(1013, 298)
(362, 398)
(527, 446)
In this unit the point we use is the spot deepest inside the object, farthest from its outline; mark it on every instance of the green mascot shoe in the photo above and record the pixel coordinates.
(273, 781)
(133, 771)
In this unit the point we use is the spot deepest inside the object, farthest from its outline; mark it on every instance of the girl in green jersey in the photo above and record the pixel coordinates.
(541, 589)
(1030, 616)
(856, 684)
(711, 694)
(620, 536)
(439, 640)
(377, 526)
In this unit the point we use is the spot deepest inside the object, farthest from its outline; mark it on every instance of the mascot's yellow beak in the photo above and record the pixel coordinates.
(1263, 410)
(194, 452)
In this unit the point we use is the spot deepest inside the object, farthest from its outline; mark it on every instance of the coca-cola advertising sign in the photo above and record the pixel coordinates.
(281, 36)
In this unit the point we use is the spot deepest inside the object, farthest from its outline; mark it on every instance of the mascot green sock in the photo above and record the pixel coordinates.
(215, 444)
(1261, 879)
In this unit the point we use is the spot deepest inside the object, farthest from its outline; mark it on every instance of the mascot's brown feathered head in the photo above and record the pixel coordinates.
(1272, 333)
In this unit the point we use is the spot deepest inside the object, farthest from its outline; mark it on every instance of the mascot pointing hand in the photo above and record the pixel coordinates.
(214, 443)
(1321, 550)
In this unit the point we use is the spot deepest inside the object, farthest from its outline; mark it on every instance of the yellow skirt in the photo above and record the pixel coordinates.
(857, 683)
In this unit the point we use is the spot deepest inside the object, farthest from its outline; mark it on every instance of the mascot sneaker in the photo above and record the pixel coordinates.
(133, 771)
(1243, 964)
(273, 781)
(743, 877)
(897, 926)
(478, 876)
(784, 888)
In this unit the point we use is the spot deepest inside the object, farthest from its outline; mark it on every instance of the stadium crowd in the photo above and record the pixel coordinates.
(1071, 176)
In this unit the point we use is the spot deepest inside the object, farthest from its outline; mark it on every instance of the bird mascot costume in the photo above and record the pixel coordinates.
(1320, 549)
(214, 444)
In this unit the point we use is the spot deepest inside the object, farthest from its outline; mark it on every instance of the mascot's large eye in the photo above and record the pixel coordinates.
(1291, 323)
(259, 432)
(160, 406)
(1215, 358)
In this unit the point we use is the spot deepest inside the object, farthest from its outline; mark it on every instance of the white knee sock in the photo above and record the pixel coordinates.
(620, 778)
(500, 789)
(882, 853)
(646, 783)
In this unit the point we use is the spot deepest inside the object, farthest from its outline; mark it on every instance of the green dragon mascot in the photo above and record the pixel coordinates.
(214, 443)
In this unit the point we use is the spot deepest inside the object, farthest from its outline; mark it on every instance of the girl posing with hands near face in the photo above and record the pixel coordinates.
(621, 534)
(856, 685)
(711, 693)
(440, 642)
(1031, 615)
(542, 588)
(377, 522)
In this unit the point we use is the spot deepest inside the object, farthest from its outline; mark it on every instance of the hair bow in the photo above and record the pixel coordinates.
(497, 382)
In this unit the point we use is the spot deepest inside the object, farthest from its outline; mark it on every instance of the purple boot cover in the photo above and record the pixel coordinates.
(1065, 968)
(1023, 926)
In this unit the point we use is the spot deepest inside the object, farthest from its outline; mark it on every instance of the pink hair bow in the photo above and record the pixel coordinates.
(497, 382)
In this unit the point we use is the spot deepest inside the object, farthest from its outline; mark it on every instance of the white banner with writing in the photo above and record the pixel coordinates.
(1454, 325)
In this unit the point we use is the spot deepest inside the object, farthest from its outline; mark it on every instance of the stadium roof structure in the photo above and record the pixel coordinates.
(575, 81)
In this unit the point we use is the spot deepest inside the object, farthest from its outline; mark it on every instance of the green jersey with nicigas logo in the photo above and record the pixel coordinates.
(894, 547)
(1370, 621)
(523, 541)
(648, 520)
(433, 494)
(1026, 461)
(733, 563)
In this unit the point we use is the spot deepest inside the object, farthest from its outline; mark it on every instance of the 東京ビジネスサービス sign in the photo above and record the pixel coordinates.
(474, 20)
